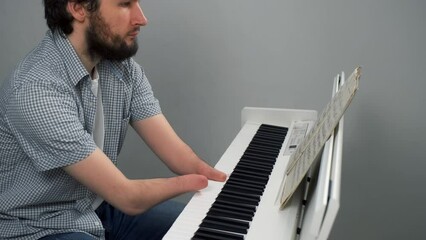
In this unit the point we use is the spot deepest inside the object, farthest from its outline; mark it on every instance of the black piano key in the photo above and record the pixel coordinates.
(281, 131)
(272, 128)
(240, 212)
(241, 174)
(215, 211)
(255, 183)
(247, 208)
(238, 174)
(273, 140)
(225, 227)
(271, 135)
(251, 167)
(236, 204)
(265, 153)
(237, 199)
(259, 148)
(260, 158)
(225, 224)
(257, 162)
(272, 152)
(264, 145)
(238, 193)
(253, 151)
(239, 188)
(263, 141)
(213, 234)
(252, 172)
(246, 174)
(272, 132)
(250, 185)
(261, 153)
(266, 140)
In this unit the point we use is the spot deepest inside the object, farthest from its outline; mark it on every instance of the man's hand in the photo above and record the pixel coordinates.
(211, 173)
(191, 182)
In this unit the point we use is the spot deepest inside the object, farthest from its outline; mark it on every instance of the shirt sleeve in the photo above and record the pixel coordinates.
(143, 103)
(44, 118)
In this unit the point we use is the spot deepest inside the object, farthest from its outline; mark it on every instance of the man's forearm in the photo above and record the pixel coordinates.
(176, 154)
(101, 176)
(144, 194)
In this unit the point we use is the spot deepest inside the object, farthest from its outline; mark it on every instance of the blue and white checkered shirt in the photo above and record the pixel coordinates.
(47, 113)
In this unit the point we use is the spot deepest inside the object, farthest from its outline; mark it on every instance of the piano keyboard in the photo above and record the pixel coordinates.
(235, 206)
(232, 209)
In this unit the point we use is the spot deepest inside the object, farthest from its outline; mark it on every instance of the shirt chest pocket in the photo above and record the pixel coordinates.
(125, 116)
(123, 130)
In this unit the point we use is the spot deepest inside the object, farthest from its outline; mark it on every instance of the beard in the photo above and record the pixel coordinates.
(102, 43)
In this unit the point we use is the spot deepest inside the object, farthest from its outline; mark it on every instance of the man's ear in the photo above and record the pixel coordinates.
(77, 11)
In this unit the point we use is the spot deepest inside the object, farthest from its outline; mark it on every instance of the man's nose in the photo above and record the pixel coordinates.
(138, 16)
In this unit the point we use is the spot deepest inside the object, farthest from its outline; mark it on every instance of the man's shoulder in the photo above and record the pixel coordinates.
(44, 63)
(44, 55)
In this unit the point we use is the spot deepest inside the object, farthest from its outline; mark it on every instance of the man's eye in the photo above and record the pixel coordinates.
(125, 4)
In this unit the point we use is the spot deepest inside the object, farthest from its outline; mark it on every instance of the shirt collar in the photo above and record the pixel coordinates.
(74, 66)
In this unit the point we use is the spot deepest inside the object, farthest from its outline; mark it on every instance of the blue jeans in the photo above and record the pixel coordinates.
(152, 224)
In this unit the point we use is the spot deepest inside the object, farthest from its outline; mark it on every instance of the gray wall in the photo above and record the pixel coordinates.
(208, 59)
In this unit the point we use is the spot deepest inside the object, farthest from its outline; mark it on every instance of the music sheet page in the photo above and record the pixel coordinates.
(303, 157)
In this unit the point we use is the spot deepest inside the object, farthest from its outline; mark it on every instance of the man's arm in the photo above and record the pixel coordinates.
(101, 176)
(177, 155)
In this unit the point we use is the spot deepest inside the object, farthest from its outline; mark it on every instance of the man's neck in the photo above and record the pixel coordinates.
(80, 46)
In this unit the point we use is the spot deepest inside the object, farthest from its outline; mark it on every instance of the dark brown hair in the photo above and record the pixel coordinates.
(57, 16)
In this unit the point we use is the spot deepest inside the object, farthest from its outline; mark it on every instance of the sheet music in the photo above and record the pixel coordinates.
(301, 160)
(298, 133)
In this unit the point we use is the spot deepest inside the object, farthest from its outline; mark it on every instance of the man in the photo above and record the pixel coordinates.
(63, 116)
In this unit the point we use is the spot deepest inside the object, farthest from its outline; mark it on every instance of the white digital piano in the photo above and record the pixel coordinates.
(248, 205)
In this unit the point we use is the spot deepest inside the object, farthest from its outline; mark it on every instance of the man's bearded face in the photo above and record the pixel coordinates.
(103, 43)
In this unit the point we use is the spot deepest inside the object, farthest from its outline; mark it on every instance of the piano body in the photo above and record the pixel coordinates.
(217, 213)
